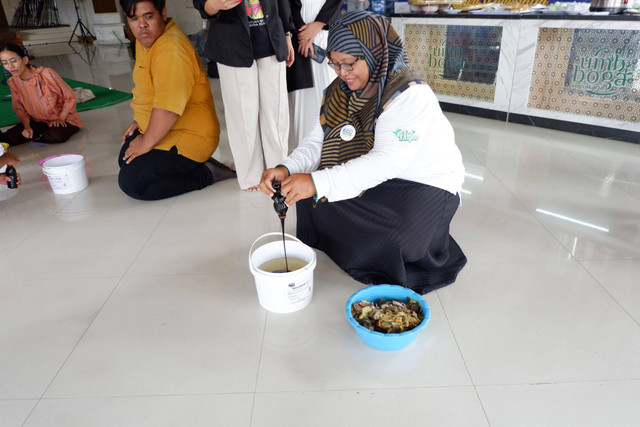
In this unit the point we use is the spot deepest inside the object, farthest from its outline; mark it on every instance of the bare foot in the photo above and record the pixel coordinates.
(254, 188)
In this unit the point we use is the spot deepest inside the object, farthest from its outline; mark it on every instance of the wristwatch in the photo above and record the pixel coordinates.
(288, 34)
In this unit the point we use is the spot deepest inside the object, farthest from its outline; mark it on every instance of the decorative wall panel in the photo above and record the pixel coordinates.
(590, 72)
(456, 60)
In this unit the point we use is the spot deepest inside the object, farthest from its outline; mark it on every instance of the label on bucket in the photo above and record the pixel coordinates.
(58, 182)
(300, 292)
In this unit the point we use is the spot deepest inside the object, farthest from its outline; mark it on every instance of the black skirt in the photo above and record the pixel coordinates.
(395, 233)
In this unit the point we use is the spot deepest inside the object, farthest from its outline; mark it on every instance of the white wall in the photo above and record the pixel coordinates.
(187, 18)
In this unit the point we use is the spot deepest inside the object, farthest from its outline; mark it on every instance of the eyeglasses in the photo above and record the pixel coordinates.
(344, 66)
(12, 61)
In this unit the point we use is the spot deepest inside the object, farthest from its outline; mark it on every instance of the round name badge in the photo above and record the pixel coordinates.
(347, 133)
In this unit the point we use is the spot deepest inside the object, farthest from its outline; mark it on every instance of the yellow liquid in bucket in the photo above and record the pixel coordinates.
(277, 265)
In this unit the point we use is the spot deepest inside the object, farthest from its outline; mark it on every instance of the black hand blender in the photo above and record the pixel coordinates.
(281, 209)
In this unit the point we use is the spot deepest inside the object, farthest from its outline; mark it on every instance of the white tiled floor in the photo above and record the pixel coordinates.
(119, 312)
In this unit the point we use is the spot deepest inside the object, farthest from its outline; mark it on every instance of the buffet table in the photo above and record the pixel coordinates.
(574, 73)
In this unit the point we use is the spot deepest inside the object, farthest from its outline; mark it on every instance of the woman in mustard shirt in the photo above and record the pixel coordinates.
(167, 149)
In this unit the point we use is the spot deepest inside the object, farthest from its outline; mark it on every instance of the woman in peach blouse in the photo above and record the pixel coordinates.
(43, 102)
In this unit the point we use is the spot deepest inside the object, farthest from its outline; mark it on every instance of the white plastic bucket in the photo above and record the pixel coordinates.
(283, 292)
(66, 173)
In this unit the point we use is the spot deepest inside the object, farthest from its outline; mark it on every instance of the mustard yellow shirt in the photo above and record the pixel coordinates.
(169, 75)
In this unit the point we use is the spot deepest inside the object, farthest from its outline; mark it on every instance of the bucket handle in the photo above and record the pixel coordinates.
(41, 162)
(273, 233)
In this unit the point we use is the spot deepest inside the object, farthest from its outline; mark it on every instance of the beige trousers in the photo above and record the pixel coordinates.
(256, 111)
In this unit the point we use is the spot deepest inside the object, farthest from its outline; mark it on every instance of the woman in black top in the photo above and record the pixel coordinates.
(250, 40)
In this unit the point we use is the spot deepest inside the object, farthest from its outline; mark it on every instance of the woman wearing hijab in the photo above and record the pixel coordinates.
(377, 181)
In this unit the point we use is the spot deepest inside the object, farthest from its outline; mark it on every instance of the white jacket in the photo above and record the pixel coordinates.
(413, 141)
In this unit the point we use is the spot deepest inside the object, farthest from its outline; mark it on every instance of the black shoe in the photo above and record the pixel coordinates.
(219, 170)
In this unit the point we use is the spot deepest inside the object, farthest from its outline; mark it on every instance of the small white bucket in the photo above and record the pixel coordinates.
(66, 173)
(283, 292)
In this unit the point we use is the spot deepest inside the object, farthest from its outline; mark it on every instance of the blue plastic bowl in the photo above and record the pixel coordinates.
(379, 340)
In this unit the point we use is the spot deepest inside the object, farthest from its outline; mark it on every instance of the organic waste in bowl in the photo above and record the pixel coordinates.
(389, 341)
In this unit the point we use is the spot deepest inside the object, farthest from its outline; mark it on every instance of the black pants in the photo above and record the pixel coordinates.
(395, 233)
(41, 132)
(160, 174)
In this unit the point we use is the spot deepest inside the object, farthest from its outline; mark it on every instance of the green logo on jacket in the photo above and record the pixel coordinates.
(405, 135)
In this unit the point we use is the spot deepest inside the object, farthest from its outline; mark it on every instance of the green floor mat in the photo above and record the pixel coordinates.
(104, 97)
